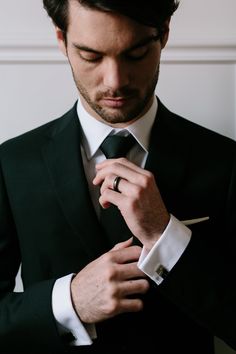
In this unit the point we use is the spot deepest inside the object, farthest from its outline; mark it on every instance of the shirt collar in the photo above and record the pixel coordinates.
(94, 131)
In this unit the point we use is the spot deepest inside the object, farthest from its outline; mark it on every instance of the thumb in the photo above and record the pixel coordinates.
(123, 244)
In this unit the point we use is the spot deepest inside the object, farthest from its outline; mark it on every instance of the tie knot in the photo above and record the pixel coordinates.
(115, 146)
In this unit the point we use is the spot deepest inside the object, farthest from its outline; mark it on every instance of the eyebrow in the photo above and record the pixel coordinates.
(139, 44)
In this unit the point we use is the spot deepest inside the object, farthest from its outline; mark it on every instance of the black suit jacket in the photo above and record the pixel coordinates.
(47, 222)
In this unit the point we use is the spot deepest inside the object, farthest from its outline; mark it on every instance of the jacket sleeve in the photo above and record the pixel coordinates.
(26, 319)
(203, 282)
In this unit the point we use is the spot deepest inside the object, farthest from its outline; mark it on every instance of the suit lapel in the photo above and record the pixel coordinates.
(168, 154)
(63, 158)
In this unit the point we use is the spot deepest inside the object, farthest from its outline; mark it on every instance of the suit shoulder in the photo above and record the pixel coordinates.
(206, 138)
(194, 132)
(37, 136)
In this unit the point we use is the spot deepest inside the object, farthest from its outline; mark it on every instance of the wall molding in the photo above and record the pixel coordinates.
(24, 49)
(196, 50)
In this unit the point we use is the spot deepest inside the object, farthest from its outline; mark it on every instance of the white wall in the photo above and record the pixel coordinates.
(199, 64)
(197, 80)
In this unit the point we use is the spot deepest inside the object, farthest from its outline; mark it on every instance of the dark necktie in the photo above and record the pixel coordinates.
(111, 220)
(115, 146)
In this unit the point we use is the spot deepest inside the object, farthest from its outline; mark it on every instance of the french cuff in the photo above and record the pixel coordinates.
(68, 323)
(158, 262)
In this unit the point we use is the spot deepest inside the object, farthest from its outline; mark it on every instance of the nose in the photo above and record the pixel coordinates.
(115, 75)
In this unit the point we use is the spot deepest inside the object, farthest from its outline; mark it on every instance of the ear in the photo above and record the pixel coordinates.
(165, 35)
(61, 41)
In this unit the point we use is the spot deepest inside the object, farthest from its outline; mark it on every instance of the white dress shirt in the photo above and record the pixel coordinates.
(167, 250)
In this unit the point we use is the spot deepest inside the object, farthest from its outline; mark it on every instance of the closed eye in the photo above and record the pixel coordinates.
(137, 54)
(90, 56)
(139, 51)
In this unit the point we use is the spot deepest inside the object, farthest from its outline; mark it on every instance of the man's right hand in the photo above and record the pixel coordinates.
(110, 285)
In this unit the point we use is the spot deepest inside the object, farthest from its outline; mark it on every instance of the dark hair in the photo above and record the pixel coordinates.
(153, 13)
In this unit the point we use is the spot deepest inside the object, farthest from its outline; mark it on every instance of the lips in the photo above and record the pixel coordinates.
(117, 102)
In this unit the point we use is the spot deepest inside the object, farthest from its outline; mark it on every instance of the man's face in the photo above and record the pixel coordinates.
(115, 63)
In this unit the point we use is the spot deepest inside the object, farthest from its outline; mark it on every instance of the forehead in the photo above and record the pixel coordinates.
(97, 28)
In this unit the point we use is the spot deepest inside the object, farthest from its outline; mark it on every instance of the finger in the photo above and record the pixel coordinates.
(111, 197)
(130, 271)
(130, 305)
(136, 176)
(125, 255)
(121, 164)
(123, 244)
(131, 287)
(124, 186)
(112, 171)
(122, 161)
(108, 183)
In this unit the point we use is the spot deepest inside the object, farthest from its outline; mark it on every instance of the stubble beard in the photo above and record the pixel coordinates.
(117, 117)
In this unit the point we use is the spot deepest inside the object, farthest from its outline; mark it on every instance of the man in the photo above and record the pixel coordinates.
(134, 252)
